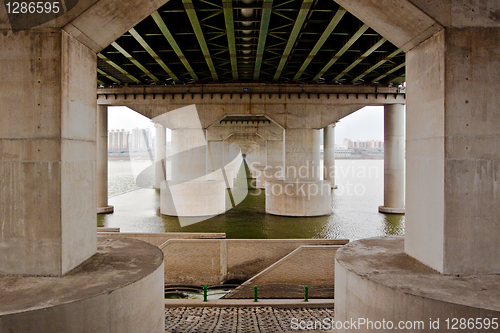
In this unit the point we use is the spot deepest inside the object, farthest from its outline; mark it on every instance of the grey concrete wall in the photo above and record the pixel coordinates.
(210, 262)
(160, 238)
(309, 265)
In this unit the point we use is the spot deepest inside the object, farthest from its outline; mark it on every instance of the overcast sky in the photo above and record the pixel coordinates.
(365, 124)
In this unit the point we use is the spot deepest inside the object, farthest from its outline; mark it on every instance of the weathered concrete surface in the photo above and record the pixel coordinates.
(48, 152)
(375, 279)
(298, 198)
(394, 160)
(308, 265)
(400, 21)
(119, 289)
(160, 155)
(214, 261)
(160, 238)
(453, 151)
(102, 161)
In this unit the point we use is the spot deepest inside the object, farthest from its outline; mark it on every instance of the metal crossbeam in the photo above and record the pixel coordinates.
(195, 23)
(360, 59)
(100, 71)
(389, 72)
(343, 50)
(170, 38)
(153, 54)
(377, 65)
(328, 31)
(267, 7)
(299, 22)
(121, 70)
(135, 62)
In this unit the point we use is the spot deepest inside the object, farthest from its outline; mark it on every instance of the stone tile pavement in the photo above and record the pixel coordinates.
(240, 319)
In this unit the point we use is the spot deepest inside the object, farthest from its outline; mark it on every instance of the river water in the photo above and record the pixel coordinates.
(355, 208)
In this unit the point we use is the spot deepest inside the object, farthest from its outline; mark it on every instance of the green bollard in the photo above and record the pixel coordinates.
(306, 293)
(255, 293)
(205, 293)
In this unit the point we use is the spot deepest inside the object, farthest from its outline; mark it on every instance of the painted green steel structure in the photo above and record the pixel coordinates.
(264, 41)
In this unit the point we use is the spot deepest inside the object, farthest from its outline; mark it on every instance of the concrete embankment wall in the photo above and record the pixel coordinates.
(215, 261)
(312, 266)
(158, 239)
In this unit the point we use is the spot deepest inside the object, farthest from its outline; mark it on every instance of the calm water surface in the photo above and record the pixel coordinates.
(355, 207)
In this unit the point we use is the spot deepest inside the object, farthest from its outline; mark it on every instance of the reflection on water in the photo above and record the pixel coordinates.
(355, 210)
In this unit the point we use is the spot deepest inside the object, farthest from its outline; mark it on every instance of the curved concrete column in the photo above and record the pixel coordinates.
(302, 193)
(394, 160)
(160, 154)
(329, 154)
(102, 161)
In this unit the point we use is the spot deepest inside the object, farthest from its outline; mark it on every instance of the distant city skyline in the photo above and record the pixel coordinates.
(365, 124)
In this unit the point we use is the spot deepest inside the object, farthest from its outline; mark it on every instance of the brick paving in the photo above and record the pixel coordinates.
(239, 320)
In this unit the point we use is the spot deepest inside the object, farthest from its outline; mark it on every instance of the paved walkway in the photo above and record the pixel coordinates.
(239, 320)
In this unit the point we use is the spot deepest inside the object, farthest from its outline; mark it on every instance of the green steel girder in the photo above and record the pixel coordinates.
(195, 23)
(135, 62)
(304, 10)
(377, 65)
(121, 70)
(336, 57)
(360, 59)
(153, 54)
(267, 7)
(326, 34)
(171, 40)
(108, 76)
(389, 72)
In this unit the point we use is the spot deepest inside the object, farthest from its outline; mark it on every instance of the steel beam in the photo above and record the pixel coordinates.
(299, 22)
(153, 54)
(267, 7)
(389, 72)
(108, 76)
(121, 70)
(170, 38)
(195, 23)
(328, 31)
(343, 50)
(360, 59)
(377, 65)
(135, 62)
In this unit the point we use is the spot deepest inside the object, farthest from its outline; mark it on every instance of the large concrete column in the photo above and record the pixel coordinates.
(48, 160)
(302, 193)
(102, 161)
(394, 160)
(160, 154)
(189, 193)
(329, 154)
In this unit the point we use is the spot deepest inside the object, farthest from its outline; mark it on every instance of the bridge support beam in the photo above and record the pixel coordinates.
(394, 160)
(302, 193)
(329, 154)
(160, 154)
(102, 161)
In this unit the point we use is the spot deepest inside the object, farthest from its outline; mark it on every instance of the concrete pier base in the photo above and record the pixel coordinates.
(376, 280)
(298, 198)
(193, 198)
(391, 210)
(105, 210)
(119, 289)
(267, 173)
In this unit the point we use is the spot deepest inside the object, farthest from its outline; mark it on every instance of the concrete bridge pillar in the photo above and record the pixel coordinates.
(215, 163)
(329, 154)
(302, 193)
(394, 160)
(102, 161)
(190, 192)
(274, 168)
(160, 154)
